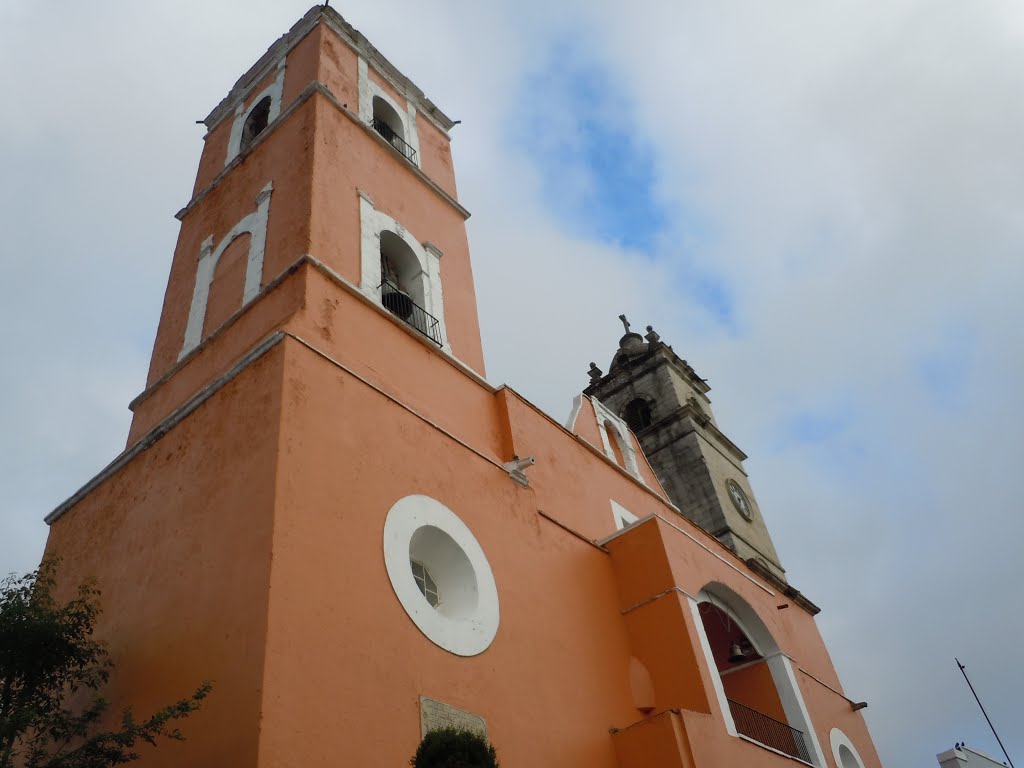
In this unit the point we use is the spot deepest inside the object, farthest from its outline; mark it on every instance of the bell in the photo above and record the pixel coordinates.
(736, 654)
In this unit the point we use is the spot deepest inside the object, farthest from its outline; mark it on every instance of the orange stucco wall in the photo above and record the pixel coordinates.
(659, 741)
(753, 687)
(337, 64)
(558, 617)
(224, 206)
(347, 163)
(179, 543)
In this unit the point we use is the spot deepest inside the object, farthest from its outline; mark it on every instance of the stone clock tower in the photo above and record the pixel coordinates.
(665, 402)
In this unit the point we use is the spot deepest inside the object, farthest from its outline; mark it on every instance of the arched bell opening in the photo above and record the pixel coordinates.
(256, 122)
(401, 277)
(638, 414)
(756, 681)
(389, 124)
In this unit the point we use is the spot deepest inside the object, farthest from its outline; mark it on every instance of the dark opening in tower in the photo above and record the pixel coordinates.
(256, 122)
(637, 414)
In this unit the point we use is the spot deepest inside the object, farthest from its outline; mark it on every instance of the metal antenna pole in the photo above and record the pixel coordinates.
(964, 673)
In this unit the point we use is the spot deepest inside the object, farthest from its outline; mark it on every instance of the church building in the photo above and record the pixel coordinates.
(327, 509)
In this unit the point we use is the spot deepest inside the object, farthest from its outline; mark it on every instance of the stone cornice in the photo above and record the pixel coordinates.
(787, 589)
(702, 425)
(616, 380)
(317, 87)
(165, 426)
(270, 287)
(355, 40)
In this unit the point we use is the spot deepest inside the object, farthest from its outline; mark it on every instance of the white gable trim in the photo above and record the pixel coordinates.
(621, 435)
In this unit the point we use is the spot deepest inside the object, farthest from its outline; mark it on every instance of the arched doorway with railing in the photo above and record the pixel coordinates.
(756, 687)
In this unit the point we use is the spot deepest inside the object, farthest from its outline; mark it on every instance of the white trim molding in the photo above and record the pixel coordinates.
(793, 704)
(372, 223)
(605, 419)
(622, 517)
(577, 405)
(779, 664)
(709, 659)
(465, 620)
(368, 90)
(254, 225)
(838, 741)
(274, 91)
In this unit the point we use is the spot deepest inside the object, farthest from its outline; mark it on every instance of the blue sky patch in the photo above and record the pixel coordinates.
(945, 370)
(599, 169)
(597, 173)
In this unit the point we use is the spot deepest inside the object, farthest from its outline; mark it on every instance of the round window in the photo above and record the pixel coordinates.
(440, 575)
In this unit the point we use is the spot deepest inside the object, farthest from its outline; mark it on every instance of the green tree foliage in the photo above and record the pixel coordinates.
(51, 671)
(453, 748)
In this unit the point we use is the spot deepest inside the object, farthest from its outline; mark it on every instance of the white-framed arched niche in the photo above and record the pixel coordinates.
(249, 122)
(255, 225)
(615, 439)
(843, 751)
(401, 274)
(386, 116)
(754, 680)
(440, 575)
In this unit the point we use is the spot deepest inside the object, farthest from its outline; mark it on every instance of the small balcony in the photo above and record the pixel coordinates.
(400, 303)
(769, 731)
(393, 138)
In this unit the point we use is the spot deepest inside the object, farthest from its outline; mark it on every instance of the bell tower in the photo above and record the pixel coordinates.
(324, 156)
(666, 404)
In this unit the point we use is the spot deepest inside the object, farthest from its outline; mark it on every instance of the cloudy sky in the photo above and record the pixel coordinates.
(819, 205)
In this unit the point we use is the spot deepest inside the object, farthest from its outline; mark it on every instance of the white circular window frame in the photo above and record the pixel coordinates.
(839, 739)
(472, 631)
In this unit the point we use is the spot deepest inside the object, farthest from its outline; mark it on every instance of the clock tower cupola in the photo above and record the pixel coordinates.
(666, 404)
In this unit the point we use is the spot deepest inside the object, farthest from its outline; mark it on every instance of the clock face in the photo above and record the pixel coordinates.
(739, 499)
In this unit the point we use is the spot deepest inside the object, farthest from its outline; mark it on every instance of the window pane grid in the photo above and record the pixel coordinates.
(425, 583)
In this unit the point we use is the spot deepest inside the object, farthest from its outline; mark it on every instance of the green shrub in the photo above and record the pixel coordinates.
(452, 748)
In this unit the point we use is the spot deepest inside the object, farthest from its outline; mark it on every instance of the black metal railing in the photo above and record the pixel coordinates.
(400, 303)
(393, 138)
(769, 731)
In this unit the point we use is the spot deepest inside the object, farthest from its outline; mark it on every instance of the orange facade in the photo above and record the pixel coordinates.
(241, 537)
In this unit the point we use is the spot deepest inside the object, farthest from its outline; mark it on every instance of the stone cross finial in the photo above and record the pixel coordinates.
(625, 322)
(595, 372)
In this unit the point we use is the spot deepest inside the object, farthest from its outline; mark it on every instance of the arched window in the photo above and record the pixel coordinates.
(845, 754)
(388, 123)
(256, 122)
(613, 443)
(615, 439)
(637, 414)
(758, 690)
(402, 286)
(846, 758)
